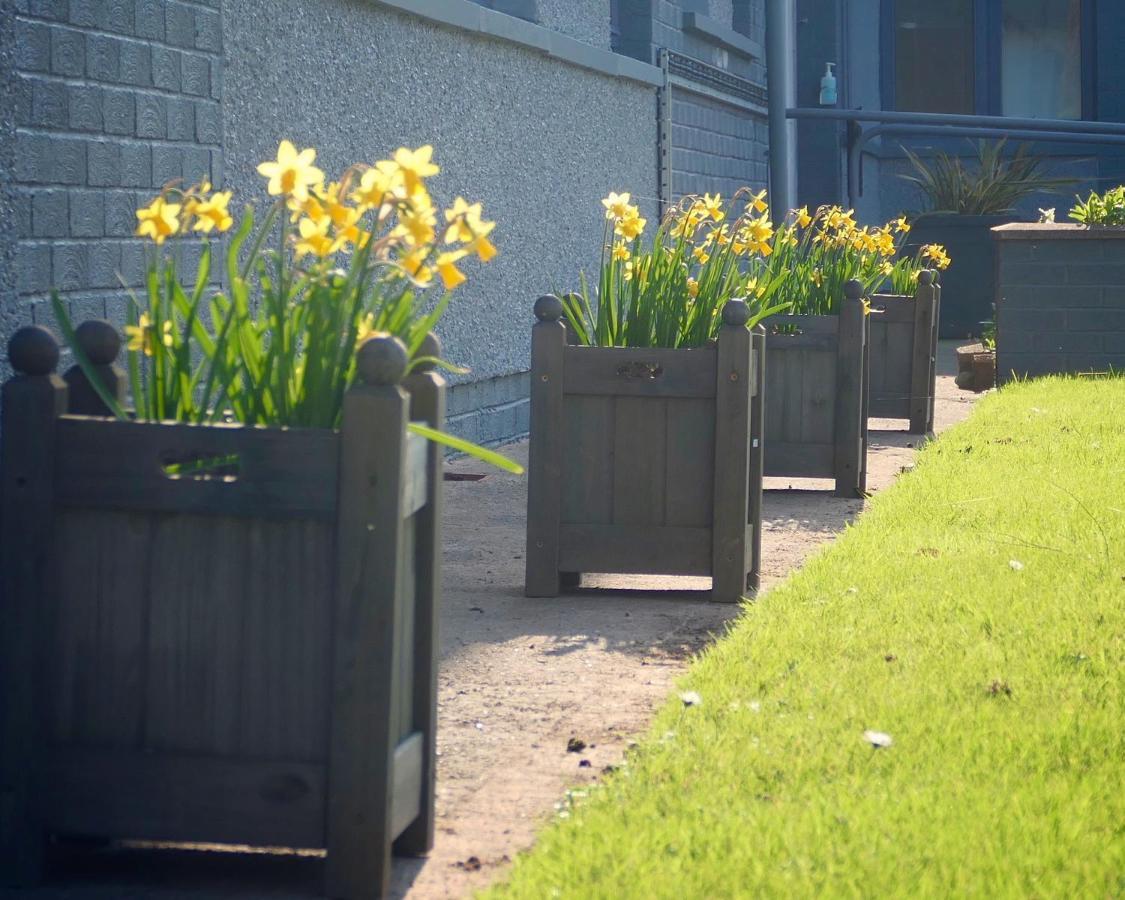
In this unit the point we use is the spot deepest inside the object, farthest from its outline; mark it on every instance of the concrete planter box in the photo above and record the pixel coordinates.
(645, 460)
(816, 390)
(904, 339)
(1060, 299)
(238, 653)
(969, 286)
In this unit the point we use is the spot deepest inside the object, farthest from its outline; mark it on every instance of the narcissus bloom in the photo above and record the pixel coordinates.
(292, 173)
(446, 265)
(620, 251)
(901, 225)
(616, 205)
(713, 206)
(415, 165)
(631, 225)
(142, 335)
(758, 202)
(159, 220)
(804, 220)
(212, 214)
(314, 238)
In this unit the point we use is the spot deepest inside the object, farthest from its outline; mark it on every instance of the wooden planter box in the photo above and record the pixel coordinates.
(904, 338)
(816, 397)
(645, 461)
(244, 656)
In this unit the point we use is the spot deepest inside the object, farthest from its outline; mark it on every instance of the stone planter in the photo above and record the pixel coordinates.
(969, 283)
(816, 389)
(904, 339)
(1060, 299)
(976, 368)
(219, 633)
(645, 460)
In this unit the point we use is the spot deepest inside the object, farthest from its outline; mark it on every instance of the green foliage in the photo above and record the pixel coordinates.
(994, 186)
(1101, 209)
(974, 614)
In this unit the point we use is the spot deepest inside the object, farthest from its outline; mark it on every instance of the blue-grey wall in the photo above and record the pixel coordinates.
(535, 113)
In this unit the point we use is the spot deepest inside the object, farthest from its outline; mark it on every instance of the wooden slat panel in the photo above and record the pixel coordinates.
(638, 464)
(893, 308)
(415, 483)
(792, 364)
(198, 576)
(118, 465)
(878, 373)
(407, 798)
(649, 549)
(810, 324)
(285, 641)
(818, 397)
(799, 460)
(690, 453)
(587, 459)
(622, 372)
(806, 340)
(181, 798)
(95, 646)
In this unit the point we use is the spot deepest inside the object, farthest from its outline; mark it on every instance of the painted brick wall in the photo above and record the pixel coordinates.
(109, 100)
(1060, 300)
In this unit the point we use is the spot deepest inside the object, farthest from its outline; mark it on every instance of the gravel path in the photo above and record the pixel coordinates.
(519, 679)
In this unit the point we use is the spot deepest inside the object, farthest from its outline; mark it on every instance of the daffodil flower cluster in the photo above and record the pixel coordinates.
(329, 265)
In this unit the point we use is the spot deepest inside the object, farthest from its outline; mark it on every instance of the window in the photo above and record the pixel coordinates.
(991, 57)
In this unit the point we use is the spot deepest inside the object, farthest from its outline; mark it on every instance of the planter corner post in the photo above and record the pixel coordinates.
(101, 343)
(732, 547)
(851, 394)
(924, 363)
(32, 401)
(366, 611)
(757, 453)
(544, 497)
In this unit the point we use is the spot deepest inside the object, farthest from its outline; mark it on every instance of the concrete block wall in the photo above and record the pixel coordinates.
(105, 101)
(1060, 299)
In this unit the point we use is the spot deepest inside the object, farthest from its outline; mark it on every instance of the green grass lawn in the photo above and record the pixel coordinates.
(976, 615)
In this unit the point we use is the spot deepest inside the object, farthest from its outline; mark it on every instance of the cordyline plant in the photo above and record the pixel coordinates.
(329, 266)
(670, 292)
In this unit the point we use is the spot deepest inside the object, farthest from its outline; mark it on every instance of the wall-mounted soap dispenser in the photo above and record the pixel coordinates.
(828, 86)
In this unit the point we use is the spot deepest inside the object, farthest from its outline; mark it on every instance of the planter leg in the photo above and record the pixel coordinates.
(757, 458)
(851, 393)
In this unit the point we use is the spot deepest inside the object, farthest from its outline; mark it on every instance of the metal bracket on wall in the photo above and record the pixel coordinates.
(664, 133)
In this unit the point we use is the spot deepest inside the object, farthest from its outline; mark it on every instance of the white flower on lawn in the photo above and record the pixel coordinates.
(691, 698)
(1016, 565)
(877, 739)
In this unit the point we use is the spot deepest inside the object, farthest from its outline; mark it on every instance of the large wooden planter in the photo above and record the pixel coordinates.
(645, 461)
(816, 389)
(242, 655)
(904, 338)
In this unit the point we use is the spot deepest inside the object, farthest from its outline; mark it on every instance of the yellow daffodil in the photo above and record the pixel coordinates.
(141, 336)
(758, 202)
(713, 206)
(417, 222)
(692, 288)
(886, 268)
(446, 265)
(902, 226)
(292, 173)
(366, 330)
(701, 255)
(816, 277)
(314, 238)
(631, 225)
(628, 272)
(415, 166)
(461, 217)
(382, 181)
(616, 205)
(804, 220)
(159, 220)
(212, 214)
(415, 265)
(620, 251)
(866, 307)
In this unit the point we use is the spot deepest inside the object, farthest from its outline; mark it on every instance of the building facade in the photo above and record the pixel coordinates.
(536, 107)
(1042, 59)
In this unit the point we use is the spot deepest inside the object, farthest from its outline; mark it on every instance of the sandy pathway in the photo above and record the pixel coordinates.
(519, 679)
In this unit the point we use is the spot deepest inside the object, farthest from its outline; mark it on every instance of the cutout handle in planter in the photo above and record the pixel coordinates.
(817, 394)
(645, 460)
(247, 660)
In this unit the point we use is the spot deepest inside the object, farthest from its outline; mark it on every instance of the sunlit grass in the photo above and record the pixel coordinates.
(976, 615)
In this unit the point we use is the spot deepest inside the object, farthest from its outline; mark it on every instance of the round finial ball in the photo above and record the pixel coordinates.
(926, 277)
(382, 360)
(736, 312)
(548, 308)
(33, 350)
(853, 290)
(99, 340)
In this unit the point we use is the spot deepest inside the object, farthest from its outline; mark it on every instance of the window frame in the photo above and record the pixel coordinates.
(987, 30)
